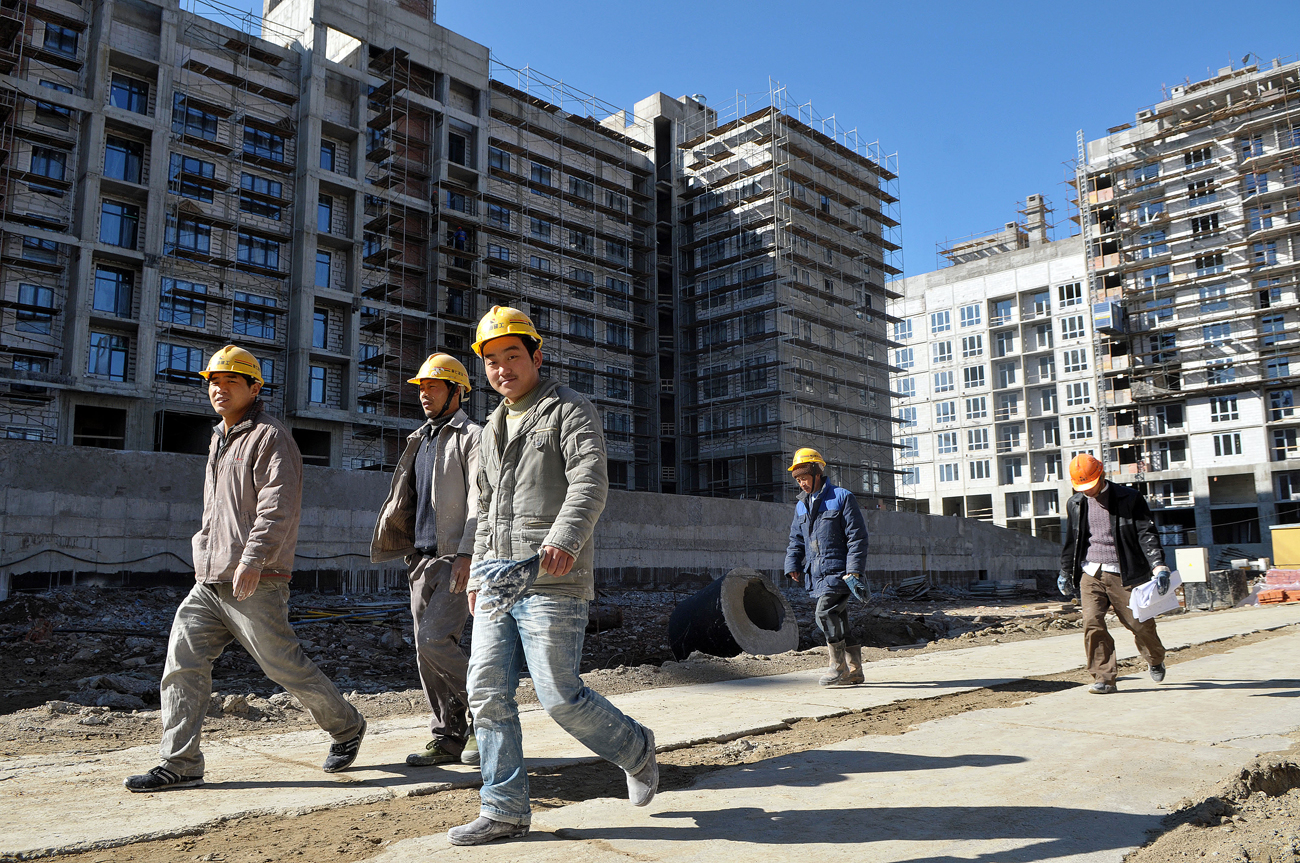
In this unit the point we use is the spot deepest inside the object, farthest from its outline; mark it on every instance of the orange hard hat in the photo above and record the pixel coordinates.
(1085, 472)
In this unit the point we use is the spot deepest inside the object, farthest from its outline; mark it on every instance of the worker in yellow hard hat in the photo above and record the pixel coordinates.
(429, 520)
(828, 548)
(1111, 546)
(243, 559)
(542, 486)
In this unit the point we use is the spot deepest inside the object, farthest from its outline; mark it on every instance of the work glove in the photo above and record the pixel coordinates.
(1162, 581)
(1065, 584)
(858, 588)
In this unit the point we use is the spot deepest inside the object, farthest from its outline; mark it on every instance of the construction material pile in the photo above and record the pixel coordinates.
(1280, 585)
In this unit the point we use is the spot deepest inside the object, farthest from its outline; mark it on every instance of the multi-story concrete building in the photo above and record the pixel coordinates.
(1192, 218)
(995, 372)
(347, 191)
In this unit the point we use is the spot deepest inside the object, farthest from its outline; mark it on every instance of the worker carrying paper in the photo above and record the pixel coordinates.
(1111, 546)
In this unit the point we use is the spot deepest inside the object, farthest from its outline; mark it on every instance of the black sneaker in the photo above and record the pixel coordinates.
(1158, 673)
(483, 830)
(343, 754)
(160, 779)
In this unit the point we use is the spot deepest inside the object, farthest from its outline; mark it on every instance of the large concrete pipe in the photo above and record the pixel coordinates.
(738, 613)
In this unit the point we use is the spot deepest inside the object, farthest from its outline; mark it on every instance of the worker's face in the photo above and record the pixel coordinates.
(231, 395)
(1096, 489)
(510, 369)
(434, 395)
(808, 481)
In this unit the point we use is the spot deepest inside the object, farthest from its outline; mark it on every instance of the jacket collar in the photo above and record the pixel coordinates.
(457, 420)
(808, 498)
(245, 422)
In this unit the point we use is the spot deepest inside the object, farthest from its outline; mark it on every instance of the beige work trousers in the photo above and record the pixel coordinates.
(1099, 594)
(207, 620)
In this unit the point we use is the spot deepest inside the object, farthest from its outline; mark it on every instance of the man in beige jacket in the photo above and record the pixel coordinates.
(429, 520)
(243, 558)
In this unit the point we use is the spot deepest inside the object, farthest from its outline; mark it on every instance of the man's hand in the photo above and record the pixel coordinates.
(1161, 577)
(1065, 584)
(556, 562)
(459, 574)
(472, 595)
(246, 579)
(794, 576)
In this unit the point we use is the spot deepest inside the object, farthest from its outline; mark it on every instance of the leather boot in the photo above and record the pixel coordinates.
(838, 673)
(854, 656)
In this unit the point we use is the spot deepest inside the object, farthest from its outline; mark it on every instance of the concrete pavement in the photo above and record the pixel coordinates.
(1007, 759)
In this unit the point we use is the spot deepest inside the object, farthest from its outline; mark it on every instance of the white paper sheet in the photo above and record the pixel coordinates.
(1145, 603)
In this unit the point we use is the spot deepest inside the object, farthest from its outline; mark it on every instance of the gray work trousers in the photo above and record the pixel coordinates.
(440, 617)
(208, 619)
(1097, 594)
(832, 618)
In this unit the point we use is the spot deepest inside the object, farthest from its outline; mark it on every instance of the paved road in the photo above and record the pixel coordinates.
(1067, 776)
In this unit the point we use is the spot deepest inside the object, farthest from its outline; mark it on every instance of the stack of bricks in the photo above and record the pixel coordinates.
(1280, 585)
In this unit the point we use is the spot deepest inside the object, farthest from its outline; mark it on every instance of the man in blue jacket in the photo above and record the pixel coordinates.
(828, 545)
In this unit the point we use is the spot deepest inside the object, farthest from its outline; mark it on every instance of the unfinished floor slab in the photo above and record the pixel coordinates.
(268, 774)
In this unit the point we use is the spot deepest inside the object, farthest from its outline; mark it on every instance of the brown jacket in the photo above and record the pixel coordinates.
(252, 500)
(455, 502)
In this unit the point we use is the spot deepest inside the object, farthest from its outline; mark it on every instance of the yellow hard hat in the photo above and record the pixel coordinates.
(444, 367)
(235, 359)
(806, 455)
(503, 321)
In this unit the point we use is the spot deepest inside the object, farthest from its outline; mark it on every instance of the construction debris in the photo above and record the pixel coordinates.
(740, 612)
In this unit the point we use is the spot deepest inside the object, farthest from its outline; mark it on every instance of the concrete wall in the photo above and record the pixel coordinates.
(74, 513)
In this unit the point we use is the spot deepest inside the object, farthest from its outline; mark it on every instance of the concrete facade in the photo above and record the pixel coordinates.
(126, 514)
(1192, 216)
(997, 377)
(350, 187)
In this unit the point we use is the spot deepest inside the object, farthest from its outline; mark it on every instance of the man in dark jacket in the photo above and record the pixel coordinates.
(828, 545)
(1111, 546)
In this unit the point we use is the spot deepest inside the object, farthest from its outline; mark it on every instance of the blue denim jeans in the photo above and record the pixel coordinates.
(546, 631)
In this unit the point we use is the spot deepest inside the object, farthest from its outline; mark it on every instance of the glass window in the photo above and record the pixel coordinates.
(258, 251)
(973, 376)
(129, 93)
(977, 439)
(498, 159)
(1071, 294)
(582, 326)
(189, 119)
(253, 316)
(187, 175)
(539, 228)
(316, 387)
(1227, 444)
(190, 234)
(49, 163)
(40, 249)
(61, 40)
(119, 224)
(324, 214)
(945, 412)
(582, 376)
(945, 443)
(178, 363)
(320, 328)
(541, 175)
(977, 408)
(113, 289)
(176, 306)
(970, 315)
(28, 317)
(251, 187)
(904, 358)
(618, 383)
(322, 269)
(107, 356)
(943, 382)
(942, 352)
(1000, 312)
(327, 154)
(940, 322)
(123, 159)
(972, 346)
(903, 330)
(259, 142)
(1072, 327)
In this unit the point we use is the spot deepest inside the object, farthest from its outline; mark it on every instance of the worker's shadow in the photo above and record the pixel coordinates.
(1040, 832)
(1288, 687)
(822, 767)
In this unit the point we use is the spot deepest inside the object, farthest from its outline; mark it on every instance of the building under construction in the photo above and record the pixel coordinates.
(1191, 219)
(344, 192)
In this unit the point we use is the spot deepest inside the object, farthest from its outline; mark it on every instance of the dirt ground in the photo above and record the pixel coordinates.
(79, 672)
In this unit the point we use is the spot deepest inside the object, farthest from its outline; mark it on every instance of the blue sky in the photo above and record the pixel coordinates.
(981, 101)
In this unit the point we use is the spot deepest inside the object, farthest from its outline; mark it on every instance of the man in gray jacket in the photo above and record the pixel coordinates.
(243, 558)
(542, 485)
(429, 519)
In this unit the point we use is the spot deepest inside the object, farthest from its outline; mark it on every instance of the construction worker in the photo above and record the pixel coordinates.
(542, 485)
(1111, 546)
(243, 558)
(429, 519)
(828, 546)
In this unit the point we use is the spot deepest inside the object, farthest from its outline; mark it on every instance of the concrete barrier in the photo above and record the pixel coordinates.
(77, 514)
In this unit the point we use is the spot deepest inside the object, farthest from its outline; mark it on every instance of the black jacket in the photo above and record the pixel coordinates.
(1136, 539)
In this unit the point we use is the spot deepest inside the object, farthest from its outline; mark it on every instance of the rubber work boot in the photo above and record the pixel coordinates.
(469, 755)
(854, 656)
(838, 673)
